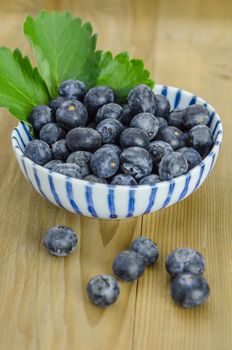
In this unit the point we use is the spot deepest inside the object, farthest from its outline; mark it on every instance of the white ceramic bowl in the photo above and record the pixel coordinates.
(118, 202)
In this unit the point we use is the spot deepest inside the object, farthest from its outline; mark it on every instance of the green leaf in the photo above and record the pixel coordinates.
(64, 48)
(21, 86)
(122, 74)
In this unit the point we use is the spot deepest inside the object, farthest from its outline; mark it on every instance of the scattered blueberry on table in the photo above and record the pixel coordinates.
(60, 241)
(189, 290)
(185, 260)
(103, 290)
(128, 265)
(185, 266)
(188, 287)
(98, 139)
(146, 248)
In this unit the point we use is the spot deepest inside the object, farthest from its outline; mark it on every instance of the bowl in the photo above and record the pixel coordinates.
(119, 202)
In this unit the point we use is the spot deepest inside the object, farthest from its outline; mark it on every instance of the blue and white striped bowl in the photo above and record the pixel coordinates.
(111, 202)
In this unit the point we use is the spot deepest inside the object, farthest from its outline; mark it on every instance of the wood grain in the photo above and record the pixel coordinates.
(43, 303)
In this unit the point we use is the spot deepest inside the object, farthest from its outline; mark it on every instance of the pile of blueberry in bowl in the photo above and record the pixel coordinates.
(96, 157)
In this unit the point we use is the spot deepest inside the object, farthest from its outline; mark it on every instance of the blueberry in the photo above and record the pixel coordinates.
(72, 89)
(95, 179)
(162, 106)
(192, 156)
(131, 137)
(110, 110)
(124, 180)
(55, 103)
(103, 290)
(60, 150)
(147, 122)
(116, 148)
(159, 149)
(141, 99)
(147, 249)
(60, 241)
(85, 139)
(189, 290)
(171, 135)
(162, 122)
(97, 97)
(82, 159)
(127, 115)
(50, 133)
(150, 180)
(172, 165)
(175, 118)
(71, 114)
(40, 116)
(104, 162)
(52, 165)
(200, 137)
(136, 161)
(185, 260)
(195, 115)
(38, 151)
(110, 130)
(69, 169)
(128, 265)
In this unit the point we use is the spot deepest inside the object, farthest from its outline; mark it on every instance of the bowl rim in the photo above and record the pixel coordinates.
(179, 179)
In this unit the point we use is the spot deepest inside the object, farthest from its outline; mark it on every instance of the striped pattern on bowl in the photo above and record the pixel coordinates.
(118, 202)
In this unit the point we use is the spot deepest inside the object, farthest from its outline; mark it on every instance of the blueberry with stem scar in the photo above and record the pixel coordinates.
(103, 290)
(146, 248)
(71, 114)
(136, 161)
(60, 241)
(185, 260)
(104, 162)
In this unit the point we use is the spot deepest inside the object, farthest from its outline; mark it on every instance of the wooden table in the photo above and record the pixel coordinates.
(43, 299)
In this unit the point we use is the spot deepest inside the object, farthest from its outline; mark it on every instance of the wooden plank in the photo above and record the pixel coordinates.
(44, 301)
(193, 51)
